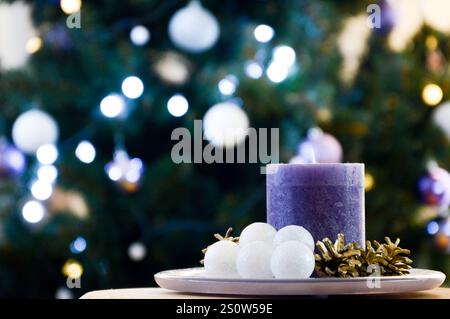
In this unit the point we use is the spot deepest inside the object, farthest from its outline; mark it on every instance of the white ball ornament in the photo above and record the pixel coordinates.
(15, 32)
(33, 129)
(294, 233)
(225, 125)
(441, 117)
(193, 28)
(220, 259)
(436, 14)
(292, 260)
(320, 147)
(257, 232)
(253, 260)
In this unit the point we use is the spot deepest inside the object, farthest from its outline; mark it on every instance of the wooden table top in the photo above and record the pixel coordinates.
(160, 293)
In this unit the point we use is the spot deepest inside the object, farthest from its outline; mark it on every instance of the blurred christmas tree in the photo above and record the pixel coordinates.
(79, 205)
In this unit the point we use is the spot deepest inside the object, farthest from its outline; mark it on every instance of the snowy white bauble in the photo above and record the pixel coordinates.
(16, 28)
(441, 117)
(295, 233)
(220, 259)
(33, 129)
(408, 20)
(292, 260)
(257, 232)
(320, 147)
(193, 28)
(225, 125)
(253, 260)
(436, 14)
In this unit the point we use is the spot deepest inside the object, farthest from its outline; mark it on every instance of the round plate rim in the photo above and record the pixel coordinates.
(422, 274)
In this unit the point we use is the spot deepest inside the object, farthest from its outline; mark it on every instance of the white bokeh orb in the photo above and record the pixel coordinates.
(47, 154)
(220, 259)
(137, 251)
(277, 72)
(295, 233)
(173, 68)
(41, 190)
(33, 211)
(33, 129)
(177, 105)
(257, 232)
(436, 14)
(441, 117)
(193, 28)
(284, 54)
(85, 152)
(263, 33)
(139, 35)
(253, 70)
(47, 173)
(292, 260)
(253, 260)
(225, 125)
(112, 105)
(132, 87)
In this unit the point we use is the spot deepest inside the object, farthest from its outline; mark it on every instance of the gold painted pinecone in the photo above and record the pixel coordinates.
(392, 259)
(351, 260)
(338, 259)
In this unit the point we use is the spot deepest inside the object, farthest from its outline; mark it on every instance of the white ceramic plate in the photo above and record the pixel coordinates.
(193, 280)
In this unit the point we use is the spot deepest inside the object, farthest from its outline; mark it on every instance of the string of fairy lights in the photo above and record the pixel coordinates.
(192, 29)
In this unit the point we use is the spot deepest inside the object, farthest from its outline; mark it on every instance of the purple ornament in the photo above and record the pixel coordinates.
(387, 19)
(59, 38)
(12, 161)
(435, 187)
(319, 147)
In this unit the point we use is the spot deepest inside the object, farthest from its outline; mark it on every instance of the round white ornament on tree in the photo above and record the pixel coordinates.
(292, 260)
(253, 260)
(294, 233)
(436, 14)
(193, 28)
(220, 259)
(257, 232)
(441, 117)
(33, 129)
(225, 125)
(16, 29)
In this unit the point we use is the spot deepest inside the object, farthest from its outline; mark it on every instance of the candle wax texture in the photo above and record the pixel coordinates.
(326, 199)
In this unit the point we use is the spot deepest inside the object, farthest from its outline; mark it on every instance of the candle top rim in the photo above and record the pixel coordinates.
(315, 164)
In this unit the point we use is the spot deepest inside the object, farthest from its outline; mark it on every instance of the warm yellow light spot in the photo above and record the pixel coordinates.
(369, 182)
(34, 44)
(72, 269)
(432, 94)
(431, 42)
(70, 6)
(324, 115)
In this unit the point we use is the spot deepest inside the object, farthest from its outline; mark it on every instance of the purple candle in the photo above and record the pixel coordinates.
(324, 198)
